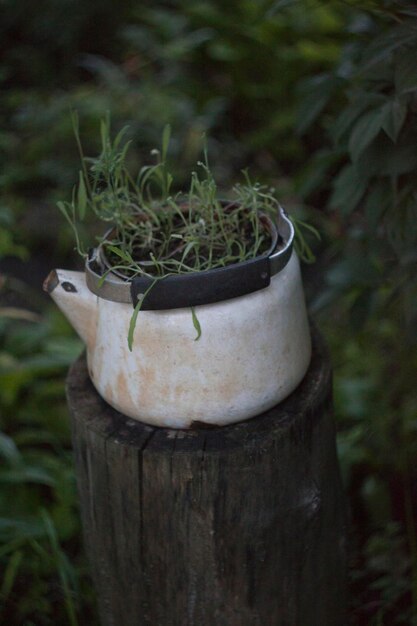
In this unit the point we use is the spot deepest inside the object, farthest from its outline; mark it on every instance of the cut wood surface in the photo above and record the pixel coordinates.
(236, 526)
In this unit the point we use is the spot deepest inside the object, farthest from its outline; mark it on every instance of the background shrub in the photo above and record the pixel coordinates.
(319, 99)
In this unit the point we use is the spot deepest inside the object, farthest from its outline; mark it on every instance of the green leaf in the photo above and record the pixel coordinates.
(81, 197)
(27, 474)
(145, 175)
(302, 246)
(10, 574)
(362, 102)
(278, 6)
(384, 158)
(190, 245)
(63, 568)
(396, 112)
(196, 324)
(68, 211)
(166, 135)
(405, 72)
(62, 206)
(105, 131)
(314, 96)
(377, 202)
(75, 121)
(348, 189)
(8, 450)
(14, 528)
(133, 319)
(365, 130)
(123, 254)
(224, 51)
(355, 269)
(120, 136)
(132, 324)
(384, 45)
(315, 174)
(124, 150)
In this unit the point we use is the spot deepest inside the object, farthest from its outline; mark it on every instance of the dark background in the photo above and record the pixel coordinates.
(319, 100)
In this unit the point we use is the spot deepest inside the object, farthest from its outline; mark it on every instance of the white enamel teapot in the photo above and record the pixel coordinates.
(253, 351)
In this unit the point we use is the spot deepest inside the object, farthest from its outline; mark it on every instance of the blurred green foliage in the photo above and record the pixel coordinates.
(366, 175)
(201, 66)
(37, 488)
(319, 99)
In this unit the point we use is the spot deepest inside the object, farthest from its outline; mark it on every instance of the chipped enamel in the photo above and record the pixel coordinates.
(253, 352)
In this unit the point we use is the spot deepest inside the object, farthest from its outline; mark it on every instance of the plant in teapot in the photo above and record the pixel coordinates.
(217, 283)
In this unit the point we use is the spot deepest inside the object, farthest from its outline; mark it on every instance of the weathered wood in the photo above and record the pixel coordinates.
(235, 526)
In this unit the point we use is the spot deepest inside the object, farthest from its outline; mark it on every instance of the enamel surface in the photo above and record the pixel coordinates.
(253, 352)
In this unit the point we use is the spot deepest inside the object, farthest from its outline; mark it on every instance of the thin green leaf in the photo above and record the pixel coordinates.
(170, 180)
(16, 529)
(27, 474)
(75, 122)
(11, 546)
(76, 129)
(196, 324)
(125, 150)
(303, 249)
(81, 197)
(135, 314)
(10, 574)
(146, 174)
(166, 136)
(132, 324)
(61, 563)
(123, 254)
(120, 136)
(278, 6)
(64, 208)
(190, 245)
(104, 132)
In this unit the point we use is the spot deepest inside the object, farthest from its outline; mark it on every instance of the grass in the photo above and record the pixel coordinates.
(157, 233)
(154, 231)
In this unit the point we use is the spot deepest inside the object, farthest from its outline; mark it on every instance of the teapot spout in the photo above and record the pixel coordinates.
(69, 291)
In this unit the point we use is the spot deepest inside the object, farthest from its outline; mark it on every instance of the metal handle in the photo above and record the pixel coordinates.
(278, 260)
(194, 288)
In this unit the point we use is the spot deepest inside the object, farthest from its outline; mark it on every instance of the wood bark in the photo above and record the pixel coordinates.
(236, 526)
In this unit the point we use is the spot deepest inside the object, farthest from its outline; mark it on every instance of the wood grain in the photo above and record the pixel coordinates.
(236, 526)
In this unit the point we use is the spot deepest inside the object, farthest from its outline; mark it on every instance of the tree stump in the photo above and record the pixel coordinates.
(236, 526)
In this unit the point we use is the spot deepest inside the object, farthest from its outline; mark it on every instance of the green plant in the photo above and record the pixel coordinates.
(366, 178)
(156, 232)
(370, 168)
(43, 571)
(8, 245)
